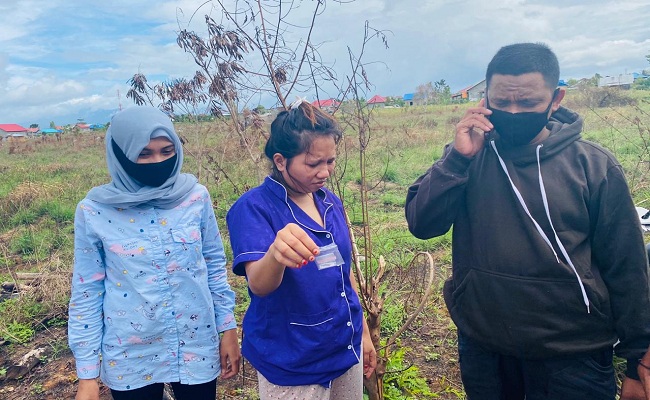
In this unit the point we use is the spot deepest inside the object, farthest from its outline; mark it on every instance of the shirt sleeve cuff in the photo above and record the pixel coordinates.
(87, 369)
(226, 323)
(457, 163)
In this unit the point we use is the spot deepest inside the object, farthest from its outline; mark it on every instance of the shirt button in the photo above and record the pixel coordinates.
(328, 236)
(349, 347)
(349, 323)
(342, 294)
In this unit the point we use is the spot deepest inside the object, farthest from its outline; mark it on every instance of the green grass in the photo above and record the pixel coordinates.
(16, 324)
(41, 186)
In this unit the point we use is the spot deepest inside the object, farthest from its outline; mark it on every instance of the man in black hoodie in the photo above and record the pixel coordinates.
(550, 274)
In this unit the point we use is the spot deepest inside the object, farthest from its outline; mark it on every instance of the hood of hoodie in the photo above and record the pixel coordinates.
(565, 126)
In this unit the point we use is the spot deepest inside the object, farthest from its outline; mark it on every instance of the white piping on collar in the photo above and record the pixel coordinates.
(548, 216)
(286, 201)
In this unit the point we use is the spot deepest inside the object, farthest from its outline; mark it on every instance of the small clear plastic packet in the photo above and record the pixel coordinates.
(329, 256)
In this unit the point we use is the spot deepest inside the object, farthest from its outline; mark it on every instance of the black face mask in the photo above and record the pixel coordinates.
(519, 129)
(151, 174)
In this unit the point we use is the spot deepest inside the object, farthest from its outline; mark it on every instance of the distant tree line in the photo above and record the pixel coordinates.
(433, 93)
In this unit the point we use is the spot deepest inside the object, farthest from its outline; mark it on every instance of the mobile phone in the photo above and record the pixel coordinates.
(489, 135)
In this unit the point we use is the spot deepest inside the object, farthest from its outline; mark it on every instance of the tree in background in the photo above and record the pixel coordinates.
(433, 93)
(253, 57)
(643, 83)
(371, 268)
(442, 92)
(257, 51)
(593, 81)
(424, 93)
(572, 82)
(395, 101)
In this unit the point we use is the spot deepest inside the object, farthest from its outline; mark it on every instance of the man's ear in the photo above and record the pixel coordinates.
(280, 162)
(558, 99)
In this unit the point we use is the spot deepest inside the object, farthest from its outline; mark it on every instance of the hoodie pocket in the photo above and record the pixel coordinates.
(529, 317)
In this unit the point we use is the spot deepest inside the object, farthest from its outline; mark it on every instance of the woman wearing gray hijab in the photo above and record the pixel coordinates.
(150, 301)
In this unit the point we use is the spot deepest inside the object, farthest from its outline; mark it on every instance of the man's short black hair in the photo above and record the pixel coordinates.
(522, 58)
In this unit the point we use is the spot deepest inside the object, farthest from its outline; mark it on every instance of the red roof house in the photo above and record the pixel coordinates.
(376, 101)
(329, 104)
(10, 129)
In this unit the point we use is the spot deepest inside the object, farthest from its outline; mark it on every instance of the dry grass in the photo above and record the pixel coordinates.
(25, 194)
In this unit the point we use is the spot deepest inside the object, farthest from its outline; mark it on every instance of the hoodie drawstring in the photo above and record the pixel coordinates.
(548, 216)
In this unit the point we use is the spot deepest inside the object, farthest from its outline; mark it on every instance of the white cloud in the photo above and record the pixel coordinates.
(64, 58)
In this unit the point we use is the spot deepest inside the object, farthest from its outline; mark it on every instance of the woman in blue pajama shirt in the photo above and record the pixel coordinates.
(304, 326)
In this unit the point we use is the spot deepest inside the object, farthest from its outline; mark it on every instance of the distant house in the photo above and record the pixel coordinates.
(580, 84)
(50, 131)
(623, 81)
(97, 127)
(17, 137)
(474, 92)
(376, 102)
(7, 130)
(329, 105)
(408, 99)
(82, 126)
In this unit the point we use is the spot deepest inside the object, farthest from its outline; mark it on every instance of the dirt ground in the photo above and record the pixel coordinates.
(432, 350)
(54, 377)
(430, 343)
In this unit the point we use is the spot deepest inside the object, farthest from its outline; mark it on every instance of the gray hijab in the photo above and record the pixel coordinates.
(132, 129)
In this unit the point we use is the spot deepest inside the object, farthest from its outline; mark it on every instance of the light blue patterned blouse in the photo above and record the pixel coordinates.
(149, 293)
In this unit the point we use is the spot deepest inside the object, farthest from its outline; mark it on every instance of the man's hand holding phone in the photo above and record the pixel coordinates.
(470, 131)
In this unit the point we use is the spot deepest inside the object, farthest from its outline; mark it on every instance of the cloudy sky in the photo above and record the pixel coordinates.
(64, 60)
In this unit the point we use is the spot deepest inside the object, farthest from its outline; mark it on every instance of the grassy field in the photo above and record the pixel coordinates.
(41, 182)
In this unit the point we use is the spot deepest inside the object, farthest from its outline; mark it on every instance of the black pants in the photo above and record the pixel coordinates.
(491, 376)
(203, 391)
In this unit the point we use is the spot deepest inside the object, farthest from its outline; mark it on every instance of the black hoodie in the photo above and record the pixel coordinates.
(512, 288)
